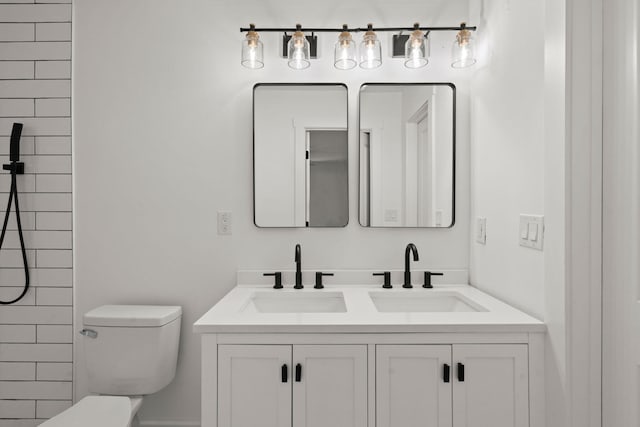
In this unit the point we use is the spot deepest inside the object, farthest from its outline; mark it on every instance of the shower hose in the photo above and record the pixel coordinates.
(15, 168)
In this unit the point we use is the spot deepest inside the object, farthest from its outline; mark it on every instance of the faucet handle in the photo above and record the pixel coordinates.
(427, 278)
(387, 279)
(319, 275)
(278, 279)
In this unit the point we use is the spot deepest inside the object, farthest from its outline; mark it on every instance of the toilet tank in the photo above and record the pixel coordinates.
(134, 350)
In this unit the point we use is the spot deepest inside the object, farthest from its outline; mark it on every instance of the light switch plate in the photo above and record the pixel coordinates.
(531, 233)
(481, 230)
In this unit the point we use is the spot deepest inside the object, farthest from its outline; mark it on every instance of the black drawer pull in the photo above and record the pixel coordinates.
(298, 373)
(446, 373)
(285, 373)
(460, 372)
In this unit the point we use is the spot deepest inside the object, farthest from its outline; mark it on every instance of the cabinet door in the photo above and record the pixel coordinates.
(494, 390)
(411, 386)
(252, 390)
(332, 387)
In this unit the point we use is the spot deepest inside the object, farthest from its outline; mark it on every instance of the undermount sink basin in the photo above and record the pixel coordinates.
(422, 302)
(295, 302)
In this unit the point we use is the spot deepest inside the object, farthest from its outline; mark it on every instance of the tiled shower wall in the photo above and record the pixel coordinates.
(36, 333)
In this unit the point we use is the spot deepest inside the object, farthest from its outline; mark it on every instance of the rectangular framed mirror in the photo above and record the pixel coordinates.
(300, 160)
(407, 154)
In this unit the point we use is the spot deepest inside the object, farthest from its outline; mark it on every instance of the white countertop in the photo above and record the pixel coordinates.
(361, 316)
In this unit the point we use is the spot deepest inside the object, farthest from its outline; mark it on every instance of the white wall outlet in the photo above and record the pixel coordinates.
(224, 222)
(531, 232)
(391, 215)
(481, 230)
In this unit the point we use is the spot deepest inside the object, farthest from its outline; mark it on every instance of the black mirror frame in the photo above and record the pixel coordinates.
(253, 147)
(453, 196)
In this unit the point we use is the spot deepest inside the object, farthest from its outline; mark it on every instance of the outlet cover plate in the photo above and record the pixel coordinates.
(481, 230)
(224, 222)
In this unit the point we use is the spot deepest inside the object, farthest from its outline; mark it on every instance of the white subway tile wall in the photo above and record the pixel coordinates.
(36, 334)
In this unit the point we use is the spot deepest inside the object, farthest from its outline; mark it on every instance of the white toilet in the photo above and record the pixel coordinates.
(131, 351)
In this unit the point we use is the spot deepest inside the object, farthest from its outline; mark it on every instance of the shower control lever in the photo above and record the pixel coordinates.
(14, 167)
(427, 279)
(387, 279)
(319, 275)
(278, 279)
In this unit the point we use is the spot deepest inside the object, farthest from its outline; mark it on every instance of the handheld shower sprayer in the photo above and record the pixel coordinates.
(14, 145)
(16, 167)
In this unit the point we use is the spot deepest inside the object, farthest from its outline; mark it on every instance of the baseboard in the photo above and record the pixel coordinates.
(151, 423)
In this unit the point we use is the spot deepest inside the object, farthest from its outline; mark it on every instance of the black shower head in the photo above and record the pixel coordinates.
(14, 145)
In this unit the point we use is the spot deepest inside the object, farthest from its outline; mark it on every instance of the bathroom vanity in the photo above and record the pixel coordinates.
(362, 356)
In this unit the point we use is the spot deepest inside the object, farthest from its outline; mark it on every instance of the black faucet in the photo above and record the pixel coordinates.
(298, 260)
(407, 271)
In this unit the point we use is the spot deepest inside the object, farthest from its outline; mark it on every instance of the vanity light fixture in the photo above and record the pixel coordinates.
(416, 49)
(299, 48)
(370, 50)
(463, 49)
(345, 51)
(252, 51)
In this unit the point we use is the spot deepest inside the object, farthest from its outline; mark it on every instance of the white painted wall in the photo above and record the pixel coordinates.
(561, 285)
(162, 140)
(621, 210)
(507, 150)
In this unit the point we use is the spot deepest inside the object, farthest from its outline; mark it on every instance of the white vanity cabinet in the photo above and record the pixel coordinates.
(289, 358)
(458, 385)
(373, 380)
(411, 390)
(495, 390)
(251, 388)
(292, 385)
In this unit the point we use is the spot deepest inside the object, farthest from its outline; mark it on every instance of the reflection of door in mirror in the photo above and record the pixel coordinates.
(420, 178)
(406, 155)
(424, 164)
(300, 155)
(365, 177)
(327, 183)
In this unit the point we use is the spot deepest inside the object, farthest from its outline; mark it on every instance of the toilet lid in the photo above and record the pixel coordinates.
(94, 411)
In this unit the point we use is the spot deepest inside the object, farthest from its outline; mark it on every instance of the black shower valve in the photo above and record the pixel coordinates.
(14, 167)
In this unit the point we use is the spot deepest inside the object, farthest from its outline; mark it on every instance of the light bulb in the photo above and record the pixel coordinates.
(298, 50)
(345, 51)
(416, 49)
(463, 49)
(370, 50)
(252, 50)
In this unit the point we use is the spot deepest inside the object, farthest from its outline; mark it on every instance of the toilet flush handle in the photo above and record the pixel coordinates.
(89, 333)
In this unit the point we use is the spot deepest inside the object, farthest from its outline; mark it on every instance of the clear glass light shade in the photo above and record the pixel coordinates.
(463, 52)
(345, 52)
(370, 51)
(298, 51)
(252, 51)
(416, 50)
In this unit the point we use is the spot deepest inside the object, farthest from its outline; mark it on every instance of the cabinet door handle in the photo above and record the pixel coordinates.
(446, 373)
(285, 373)
(460, 372)
(298, 373)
